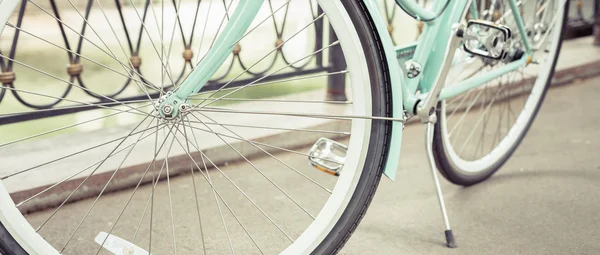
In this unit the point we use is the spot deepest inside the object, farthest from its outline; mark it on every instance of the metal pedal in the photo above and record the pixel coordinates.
(328, 156)
(487, 39)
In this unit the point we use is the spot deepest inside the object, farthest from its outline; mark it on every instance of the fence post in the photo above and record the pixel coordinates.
(336, 84)
(597, 22)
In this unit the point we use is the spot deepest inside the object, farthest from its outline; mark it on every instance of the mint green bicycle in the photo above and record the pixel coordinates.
(224, 169)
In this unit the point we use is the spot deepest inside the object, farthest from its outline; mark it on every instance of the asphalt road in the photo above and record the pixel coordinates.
(543, 201)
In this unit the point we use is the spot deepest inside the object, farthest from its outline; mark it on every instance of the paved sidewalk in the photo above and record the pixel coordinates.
(543, 201)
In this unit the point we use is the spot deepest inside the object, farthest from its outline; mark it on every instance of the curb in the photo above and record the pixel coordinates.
(129, 177)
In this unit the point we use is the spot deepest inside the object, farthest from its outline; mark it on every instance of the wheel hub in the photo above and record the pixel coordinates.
(170, 107)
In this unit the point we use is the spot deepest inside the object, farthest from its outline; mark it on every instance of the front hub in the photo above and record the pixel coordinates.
(170, 106)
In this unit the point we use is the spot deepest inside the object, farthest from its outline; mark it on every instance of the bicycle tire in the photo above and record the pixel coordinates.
(454, 173)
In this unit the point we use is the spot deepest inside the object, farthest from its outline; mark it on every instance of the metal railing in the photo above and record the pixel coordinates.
(331, 60)
(74, 49)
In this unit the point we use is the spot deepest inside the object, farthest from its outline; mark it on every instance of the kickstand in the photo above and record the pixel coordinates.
(450, 242)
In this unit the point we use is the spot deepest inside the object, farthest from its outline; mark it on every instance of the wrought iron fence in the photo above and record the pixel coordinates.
(134, 42)
(330, 60)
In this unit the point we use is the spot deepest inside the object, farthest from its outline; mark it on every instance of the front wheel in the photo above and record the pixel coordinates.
(262, 198)
(479, 130)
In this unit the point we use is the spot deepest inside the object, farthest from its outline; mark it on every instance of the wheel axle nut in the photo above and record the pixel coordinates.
(167, 110)
(279, 43)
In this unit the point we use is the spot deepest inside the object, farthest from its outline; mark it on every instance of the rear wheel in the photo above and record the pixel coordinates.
(479, 130)
(254, 193)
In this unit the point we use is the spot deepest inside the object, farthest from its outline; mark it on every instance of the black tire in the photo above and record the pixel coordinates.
(377, 151)
(8, 245)
(459, 177)
(380, 131)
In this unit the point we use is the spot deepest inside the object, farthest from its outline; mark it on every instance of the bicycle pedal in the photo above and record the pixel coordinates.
(328, 156)
(487, 39)
(117, 245)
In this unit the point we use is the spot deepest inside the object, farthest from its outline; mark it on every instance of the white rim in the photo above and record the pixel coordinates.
(33, 243)
(516, 131)
(352, 170)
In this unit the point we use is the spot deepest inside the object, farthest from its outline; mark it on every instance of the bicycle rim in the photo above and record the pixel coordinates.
(69, 228)
(482, 127)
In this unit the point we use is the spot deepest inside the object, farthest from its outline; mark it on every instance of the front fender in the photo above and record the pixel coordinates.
(395, 76)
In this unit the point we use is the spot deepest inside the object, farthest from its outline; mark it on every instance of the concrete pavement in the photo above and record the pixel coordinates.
(543, 201)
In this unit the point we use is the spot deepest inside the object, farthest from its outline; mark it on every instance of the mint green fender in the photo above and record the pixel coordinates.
(396, 75)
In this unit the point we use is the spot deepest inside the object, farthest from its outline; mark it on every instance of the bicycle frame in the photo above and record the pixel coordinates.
(429, 51)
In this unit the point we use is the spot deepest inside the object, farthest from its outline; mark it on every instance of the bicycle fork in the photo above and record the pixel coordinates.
(426, 111)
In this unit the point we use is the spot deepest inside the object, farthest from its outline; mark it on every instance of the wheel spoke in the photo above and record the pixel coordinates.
(106, 45)
(91, 173)
(261, 59)
(261, 173)
(104, 189)
(113, 155)
(273, 100)
(240, 190)
(479, 120)
(274, 128)
(171, 203)
(61, 80)
(70, 126)
(465, 113)
(112, 29)
(165, 63)
(74, 107)
(75, 153)
(264, 77)
(194, 185)
(263, 150)
(217, 192)
(137, 186)
(213, 191)
(177, 21)
(263, 144)
(218, 29)
(111, 54)
(271, 16)
(294, 114)
(274, 82)
(204, 29)
(77, 173)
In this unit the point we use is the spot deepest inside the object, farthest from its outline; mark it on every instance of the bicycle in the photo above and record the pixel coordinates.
(496, 41)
